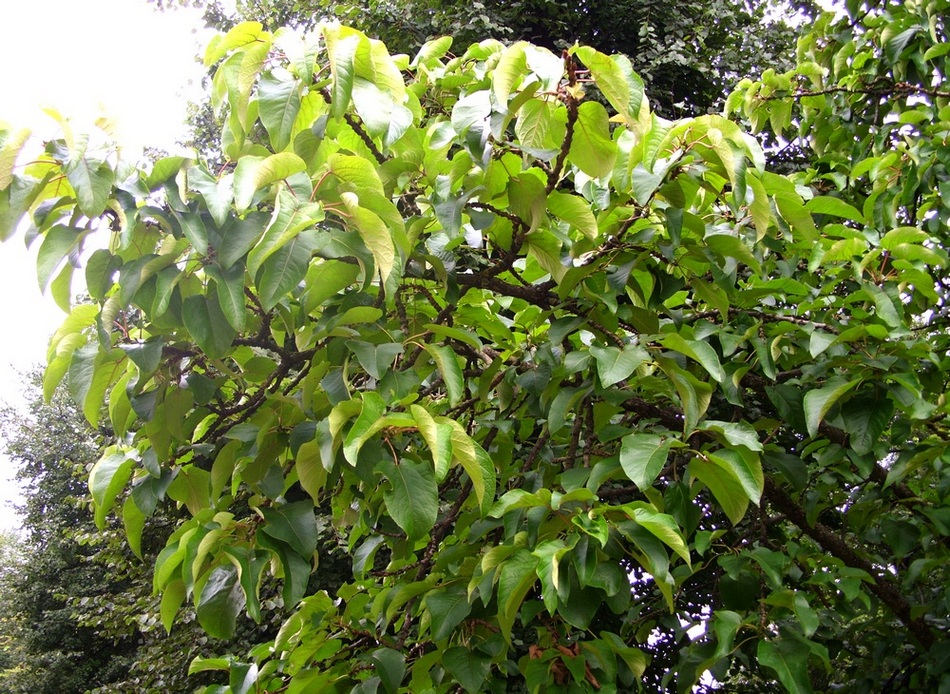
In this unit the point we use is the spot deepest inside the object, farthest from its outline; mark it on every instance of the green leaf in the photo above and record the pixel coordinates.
(730, 246)
(447, 606)
(451, 371)
(734, 433)
(470, 668)
(12, 145)
(220, 602)
(279, 104)
(365, 426)
(475, 461)
(438, 438)
(432, 50)
(327, 279)
(511, 67)
(254, 173)
(865, 419)
(58, 243)
(294, 524)
(229, 285)
(575, 211)
(819, 401)
(217, 193)
(342, 44)
(374, 233)
(413, 497)
(616, 79)
(836, 207)
(107, 478)
(383, 115)
(660, 525)
(697, 350)
(694, 394)
(311, 469)
(724, 485)
(285, 269)
(746, 467)
(236, 237)
(516, 576)
(391, 667)
(133, 520)
(296, 569)
(789, 660)
(642, 456)
(614, 364)
(191, 487)
(91, 177)
(172, 598)
(208, 325)
(592, 149)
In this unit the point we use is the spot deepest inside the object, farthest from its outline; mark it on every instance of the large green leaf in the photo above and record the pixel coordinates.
(229, 285)
(661, 525)
(107, 478)
(643, 456)
(592, 149)
(724, 485)
(295, 524)
(451, 372)
(279, 99)
(91, 177)
(616, 79)
(365, 426)
(447, 606)
(468, 667)
(285, 269)
(254, 173)
(374, 233)
(575, 211)
(818, 402)
(207, 324)
(511, 67)
(615, 364)
(516, 576)
(789, 660)
(413, 496)
(220, 601)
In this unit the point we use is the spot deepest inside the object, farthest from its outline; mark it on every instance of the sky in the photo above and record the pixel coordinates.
(118, 58)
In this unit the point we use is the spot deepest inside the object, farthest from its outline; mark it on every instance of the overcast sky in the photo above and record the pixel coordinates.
(120, 58)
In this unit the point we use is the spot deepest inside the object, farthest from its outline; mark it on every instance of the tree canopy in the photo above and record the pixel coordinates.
(689, 53)
(565, 380)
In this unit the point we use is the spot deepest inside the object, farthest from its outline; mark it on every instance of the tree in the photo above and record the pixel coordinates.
(568, 381)
(78, 611)
(48, 649)
(688, 53)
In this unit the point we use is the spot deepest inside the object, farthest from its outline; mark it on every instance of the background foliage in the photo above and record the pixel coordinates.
(562, 378)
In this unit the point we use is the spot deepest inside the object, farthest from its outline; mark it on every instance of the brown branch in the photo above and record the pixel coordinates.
(830, 542)
(896, 89)
(572, 110)
(534, 294)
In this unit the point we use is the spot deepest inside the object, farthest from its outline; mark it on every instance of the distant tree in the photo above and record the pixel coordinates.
(50, 651)
(689, 53)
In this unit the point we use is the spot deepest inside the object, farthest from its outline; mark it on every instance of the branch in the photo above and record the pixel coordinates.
(830, 542)
(572, 105)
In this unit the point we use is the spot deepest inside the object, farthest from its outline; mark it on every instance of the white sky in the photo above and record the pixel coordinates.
(117, 57)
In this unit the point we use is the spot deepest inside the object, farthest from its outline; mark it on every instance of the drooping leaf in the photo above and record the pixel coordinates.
(447, 607)
(615, 364)
(220, 602)
(819, 401)
(413, 497)
(643, 456)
